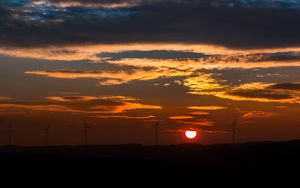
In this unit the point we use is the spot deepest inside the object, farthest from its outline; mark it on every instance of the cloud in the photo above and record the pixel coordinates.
(189, 56)
(103, 100)
(225, 23)
(92, 51)
(245, 57)
(87, 105)
(210, 63)
(202, 83)
(261, 92)
(200, 113)
(286, 86)
(4, 98)
(154, 54)
(112, 77)
(107, 4)
(253, 91)
(216, 132)
(200, 130)
(180, 117)
(258, 114)
(199, 122)
(125, 117)
(209, 108)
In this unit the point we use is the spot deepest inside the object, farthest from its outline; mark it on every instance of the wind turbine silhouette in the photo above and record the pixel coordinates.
(156, 132)
(10, 131)
(46, 131)
(233, 131)
(86, 128)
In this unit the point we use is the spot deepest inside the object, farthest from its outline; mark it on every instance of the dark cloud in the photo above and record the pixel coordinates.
(276, 92)
(88, 100)
(155, 54)
(165, 54)
(108, 2)
(286, 86)
(237, 24)
(264, 57)
(260, 93)
(79, 104)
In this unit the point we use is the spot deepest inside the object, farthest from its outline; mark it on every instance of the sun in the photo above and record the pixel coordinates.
(191, 134)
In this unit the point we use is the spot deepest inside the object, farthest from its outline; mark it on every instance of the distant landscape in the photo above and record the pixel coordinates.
(259, 156)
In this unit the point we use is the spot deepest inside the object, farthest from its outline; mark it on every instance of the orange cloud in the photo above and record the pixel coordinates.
(205, 131)
(216, 132)
(228, 58)
(259, 92)
(201, 122)
(5, 98)
(198, 64)
(89, 105)
(128, 107)
(78, 98)
(180, 117)
(90, 52)
(207, 108)
(125, 117)
(200, 113)
(112, 77)
(107, 5)
(202, 83)
(259, 114)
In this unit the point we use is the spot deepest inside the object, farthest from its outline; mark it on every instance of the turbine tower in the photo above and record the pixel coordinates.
(10, 136)
(46, 130)
(234, 124)
(156, 132)
(86, 128)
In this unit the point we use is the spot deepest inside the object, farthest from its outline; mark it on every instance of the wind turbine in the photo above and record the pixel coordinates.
(86, 128)
(46, 130)
(156, 132)
(234, 127)
(10, 131)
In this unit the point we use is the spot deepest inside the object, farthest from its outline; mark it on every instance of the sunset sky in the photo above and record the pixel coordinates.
(122, 65)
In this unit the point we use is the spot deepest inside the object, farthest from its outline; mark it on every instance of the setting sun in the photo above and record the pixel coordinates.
(190, 134)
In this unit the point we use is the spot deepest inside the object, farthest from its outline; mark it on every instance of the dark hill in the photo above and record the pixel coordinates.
(257, 157)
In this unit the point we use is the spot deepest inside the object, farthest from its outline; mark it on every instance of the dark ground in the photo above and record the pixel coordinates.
(197, 160)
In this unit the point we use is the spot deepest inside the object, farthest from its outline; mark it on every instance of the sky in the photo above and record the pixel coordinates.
(122, 65)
